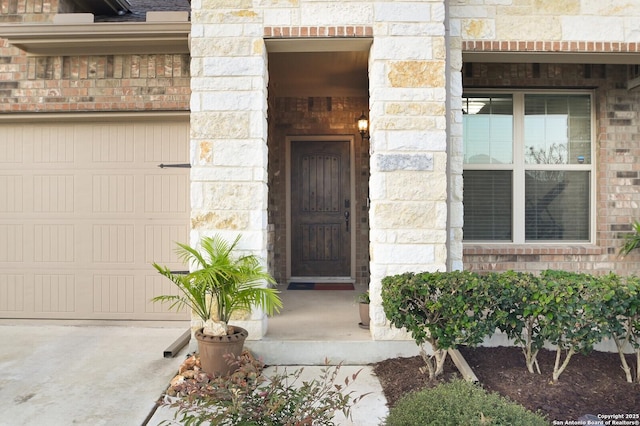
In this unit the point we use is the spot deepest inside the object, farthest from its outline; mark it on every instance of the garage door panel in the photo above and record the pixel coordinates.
(112, 144)
(113, 294)
(156, 285)
(84, 211)
(53, 243)
(12, 146)
(53, 193)
(11, 243)
(52, 146)
(165, 193)
(160, 244)
(12, 292)
(12, 186)
(54, 293)
(113, 194)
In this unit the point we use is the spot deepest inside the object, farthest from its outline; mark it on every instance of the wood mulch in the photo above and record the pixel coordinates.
(592, 384)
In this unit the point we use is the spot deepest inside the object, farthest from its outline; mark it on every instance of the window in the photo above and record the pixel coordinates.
(527, 167)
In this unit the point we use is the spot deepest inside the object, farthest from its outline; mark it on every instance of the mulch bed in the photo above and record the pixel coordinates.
(593, 384)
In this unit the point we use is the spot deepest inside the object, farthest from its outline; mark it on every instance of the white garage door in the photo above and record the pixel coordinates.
(84, 211)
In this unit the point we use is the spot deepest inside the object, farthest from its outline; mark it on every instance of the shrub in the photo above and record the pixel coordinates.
(573, 322)
(519, 305)
(446, 309)
(281, 399)
(459, 403)
(620, 309)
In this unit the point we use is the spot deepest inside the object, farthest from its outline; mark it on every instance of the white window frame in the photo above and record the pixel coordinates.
(518, 167)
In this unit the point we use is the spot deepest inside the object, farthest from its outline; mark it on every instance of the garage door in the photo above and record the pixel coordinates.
(84, 211)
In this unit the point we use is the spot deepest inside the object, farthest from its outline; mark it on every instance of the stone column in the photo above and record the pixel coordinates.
(408, 187)
(229, 130)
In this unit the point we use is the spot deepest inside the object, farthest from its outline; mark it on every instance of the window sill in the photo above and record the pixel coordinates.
(524, 249)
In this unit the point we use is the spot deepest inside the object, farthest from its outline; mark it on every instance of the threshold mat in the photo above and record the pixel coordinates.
(320, 286)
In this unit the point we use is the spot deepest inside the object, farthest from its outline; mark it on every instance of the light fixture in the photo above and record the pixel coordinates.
(363, 125)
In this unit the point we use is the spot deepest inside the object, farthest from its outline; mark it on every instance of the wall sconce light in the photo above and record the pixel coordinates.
(363, 126)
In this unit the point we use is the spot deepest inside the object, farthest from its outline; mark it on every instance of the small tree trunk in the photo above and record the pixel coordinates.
(557, 368)
(441, 356)
(638, 365)
(530, 356)
(623, 360)
(434, 363)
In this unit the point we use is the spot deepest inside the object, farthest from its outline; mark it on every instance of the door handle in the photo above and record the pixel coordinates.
(346, 219)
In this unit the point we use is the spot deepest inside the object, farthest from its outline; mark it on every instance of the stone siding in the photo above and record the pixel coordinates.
(408, 184)
(408, 188)
(547, 20)
(617, 170)
(229, 129)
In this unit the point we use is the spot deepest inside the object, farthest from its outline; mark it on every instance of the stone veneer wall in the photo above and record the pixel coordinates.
(408, 188)
(317, 116)
(547, 20)
(617, 170)
(229, 128)
(98, 83)
(408, 99)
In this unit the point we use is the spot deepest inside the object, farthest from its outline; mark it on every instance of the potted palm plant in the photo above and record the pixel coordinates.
(219, 285)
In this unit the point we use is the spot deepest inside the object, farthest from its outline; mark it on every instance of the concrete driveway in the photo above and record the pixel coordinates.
(113, 375)
(84, 375)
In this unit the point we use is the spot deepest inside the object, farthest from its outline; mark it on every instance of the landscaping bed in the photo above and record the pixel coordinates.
(593, 384)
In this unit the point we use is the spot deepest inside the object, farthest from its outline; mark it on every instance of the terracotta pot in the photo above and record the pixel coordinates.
(213, 349)
(364, 315)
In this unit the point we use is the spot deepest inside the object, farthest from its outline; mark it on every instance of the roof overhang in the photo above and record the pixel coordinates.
(614, 58)
(103, 7)
(99, 38)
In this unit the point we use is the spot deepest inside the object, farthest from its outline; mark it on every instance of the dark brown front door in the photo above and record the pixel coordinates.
(320, 209)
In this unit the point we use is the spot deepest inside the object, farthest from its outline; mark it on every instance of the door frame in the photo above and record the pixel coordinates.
(352, 194)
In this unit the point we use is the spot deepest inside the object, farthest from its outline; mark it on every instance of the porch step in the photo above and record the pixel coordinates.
(315, 352)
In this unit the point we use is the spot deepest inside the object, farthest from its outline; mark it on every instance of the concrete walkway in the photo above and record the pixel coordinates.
(63, 375)
(112, 375)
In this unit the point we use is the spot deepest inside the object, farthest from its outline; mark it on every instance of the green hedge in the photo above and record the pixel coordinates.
(572, 311)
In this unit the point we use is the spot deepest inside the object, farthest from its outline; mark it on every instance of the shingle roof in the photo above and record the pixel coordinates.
(139, 9)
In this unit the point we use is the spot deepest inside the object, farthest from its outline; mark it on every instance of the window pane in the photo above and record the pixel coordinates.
(557, 205)
(488, 129)
(487, 205)
(557, 129)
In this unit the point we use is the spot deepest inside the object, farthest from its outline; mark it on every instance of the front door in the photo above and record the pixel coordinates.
(320, 208)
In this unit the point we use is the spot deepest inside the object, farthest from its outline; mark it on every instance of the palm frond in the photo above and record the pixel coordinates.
(632, 240)
(220, 281)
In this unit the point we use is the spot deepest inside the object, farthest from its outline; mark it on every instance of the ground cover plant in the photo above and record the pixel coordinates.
(457, 403)
(249, 397)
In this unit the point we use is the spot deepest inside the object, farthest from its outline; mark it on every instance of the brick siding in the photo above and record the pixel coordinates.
(86, 83)
(549, 46)
(319, 31)
(316, 116)
(617, 167)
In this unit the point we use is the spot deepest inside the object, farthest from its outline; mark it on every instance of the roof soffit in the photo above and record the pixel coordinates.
(99, 38)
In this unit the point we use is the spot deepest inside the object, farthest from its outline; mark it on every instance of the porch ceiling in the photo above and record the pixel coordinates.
(319, 67)
(319, 73)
